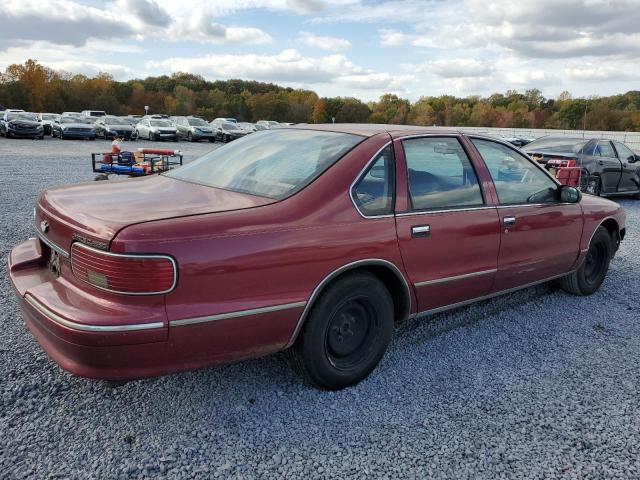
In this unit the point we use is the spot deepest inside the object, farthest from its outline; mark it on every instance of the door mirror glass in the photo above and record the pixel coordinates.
(569, 194)
(634, 159)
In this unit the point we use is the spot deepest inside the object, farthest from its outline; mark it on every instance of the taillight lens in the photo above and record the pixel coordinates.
(123, 273)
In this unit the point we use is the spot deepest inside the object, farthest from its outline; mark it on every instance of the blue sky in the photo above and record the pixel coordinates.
(340, 47)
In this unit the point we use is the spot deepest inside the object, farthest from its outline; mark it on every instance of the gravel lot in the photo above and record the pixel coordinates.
(534, 384)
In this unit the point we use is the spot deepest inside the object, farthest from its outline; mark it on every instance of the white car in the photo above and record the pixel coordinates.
(156, 129)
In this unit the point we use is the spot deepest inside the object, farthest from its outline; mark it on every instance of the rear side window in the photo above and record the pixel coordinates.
(606, 150)
(373, 192)
(440, 174)
(624, 153)
(516, 178)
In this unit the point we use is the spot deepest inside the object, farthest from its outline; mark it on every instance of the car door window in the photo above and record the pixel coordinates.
(516, 178)
(624, 153)
(373, 192)
(440, 174)
(606, 150)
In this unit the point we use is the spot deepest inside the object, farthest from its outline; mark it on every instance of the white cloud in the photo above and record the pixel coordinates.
(90, 69)
(202, 27)
(148, 12)
(324, 43)
(459, 68)
(288, 66)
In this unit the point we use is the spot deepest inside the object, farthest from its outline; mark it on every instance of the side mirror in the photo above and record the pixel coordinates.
(569, 194)
(634, 158)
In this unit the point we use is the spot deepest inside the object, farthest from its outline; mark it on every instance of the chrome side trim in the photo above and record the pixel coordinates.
(240, 313)
(456, 277)
(596, 229)
(128, 255)
(521, 205)
(54, 317)
(60, 251)
(447, 210)
(359, 176)
(445, 308)
(335, 273)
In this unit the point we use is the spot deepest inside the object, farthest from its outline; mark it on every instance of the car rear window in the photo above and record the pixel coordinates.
(272, 164)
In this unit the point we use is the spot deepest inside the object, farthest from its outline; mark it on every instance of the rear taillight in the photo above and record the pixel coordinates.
(123, 273)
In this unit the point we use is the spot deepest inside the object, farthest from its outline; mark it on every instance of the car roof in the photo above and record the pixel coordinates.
(371, 129)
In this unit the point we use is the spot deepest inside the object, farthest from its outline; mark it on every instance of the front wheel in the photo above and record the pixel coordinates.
(588, 278)
(346, 333)
(594, 186)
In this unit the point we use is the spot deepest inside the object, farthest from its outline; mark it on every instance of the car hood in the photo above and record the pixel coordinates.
(98, 211)
(76, 125)
(24, 123)
(119, 127)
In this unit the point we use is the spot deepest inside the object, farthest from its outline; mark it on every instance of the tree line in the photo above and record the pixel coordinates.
(37, 88)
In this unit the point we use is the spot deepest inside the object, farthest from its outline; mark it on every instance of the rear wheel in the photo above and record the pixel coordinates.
(594, 186)
(189, 137)
(152, 136)
(588, 278)
(346, 333)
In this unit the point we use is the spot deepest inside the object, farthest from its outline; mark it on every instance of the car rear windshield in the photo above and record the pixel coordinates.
(197, 122)
(161, 123)
(272, 164)
(558, 145)
(116, 121)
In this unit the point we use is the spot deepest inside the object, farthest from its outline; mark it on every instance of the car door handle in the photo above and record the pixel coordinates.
(509, 222)
(420, 231)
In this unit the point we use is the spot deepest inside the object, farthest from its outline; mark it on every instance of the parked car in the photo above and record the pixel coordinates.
(269, 124)
(226, 132)
(46, 120)
(317, 239)
(260, 127)
(72, 127)
(224, 120)
(193, 129)
(156, 129)
(608, 167)
(93, 113)
(247, 126)
(21, 125)
(110, 127)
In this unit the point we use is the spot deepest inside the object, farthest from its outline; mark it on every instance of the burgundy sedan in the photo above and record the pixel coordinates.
(316, 239)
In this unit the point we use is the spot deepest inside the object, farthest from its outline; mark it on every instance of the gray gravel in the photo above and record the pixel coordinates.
(534, 384)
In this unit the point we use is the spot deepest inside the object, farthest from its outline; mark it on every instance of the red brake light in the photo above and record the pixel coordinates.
(123, 273)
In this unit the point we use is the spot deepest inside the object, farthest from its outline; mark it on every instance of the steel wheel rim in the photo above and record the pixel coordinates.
(595, 262)
(350, 332)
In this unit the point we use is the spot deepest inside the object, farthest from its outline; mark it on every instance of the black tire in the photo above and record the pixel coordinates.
(100, 177)
(212, 139)
(189, 137)
(588, 278)
(152, 136)
(92, 138)
(346, 333)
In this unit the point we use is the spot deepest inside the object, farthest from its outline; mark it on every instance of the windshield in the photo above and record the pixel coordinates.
(71, 120)
(161, 123)
(49, 116)
(22, 116)
(559, 145)
(116, 121)
(272, 164)
(197, 122)
(230, 126)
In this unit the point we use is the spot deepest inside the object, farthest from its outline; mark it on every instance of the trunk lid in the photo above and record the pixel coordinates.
(95, 212)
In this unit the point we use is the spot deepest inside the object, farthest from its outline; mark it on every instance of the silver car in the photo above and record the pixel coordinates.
(47, 120)
(156, 129)
(193, 129)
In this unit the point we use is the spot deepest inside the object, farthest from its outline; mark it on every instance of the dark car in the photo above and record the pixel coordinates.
(73, 127)
(227, 131)
(607, 167)
(315, 239)
(110, 127)
(21, 125)
(194, 129)
(47, 119)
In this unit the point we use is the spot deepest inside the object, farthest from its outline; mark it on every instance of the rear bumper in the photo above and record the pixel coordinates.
(102, 348)
(118, 337)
